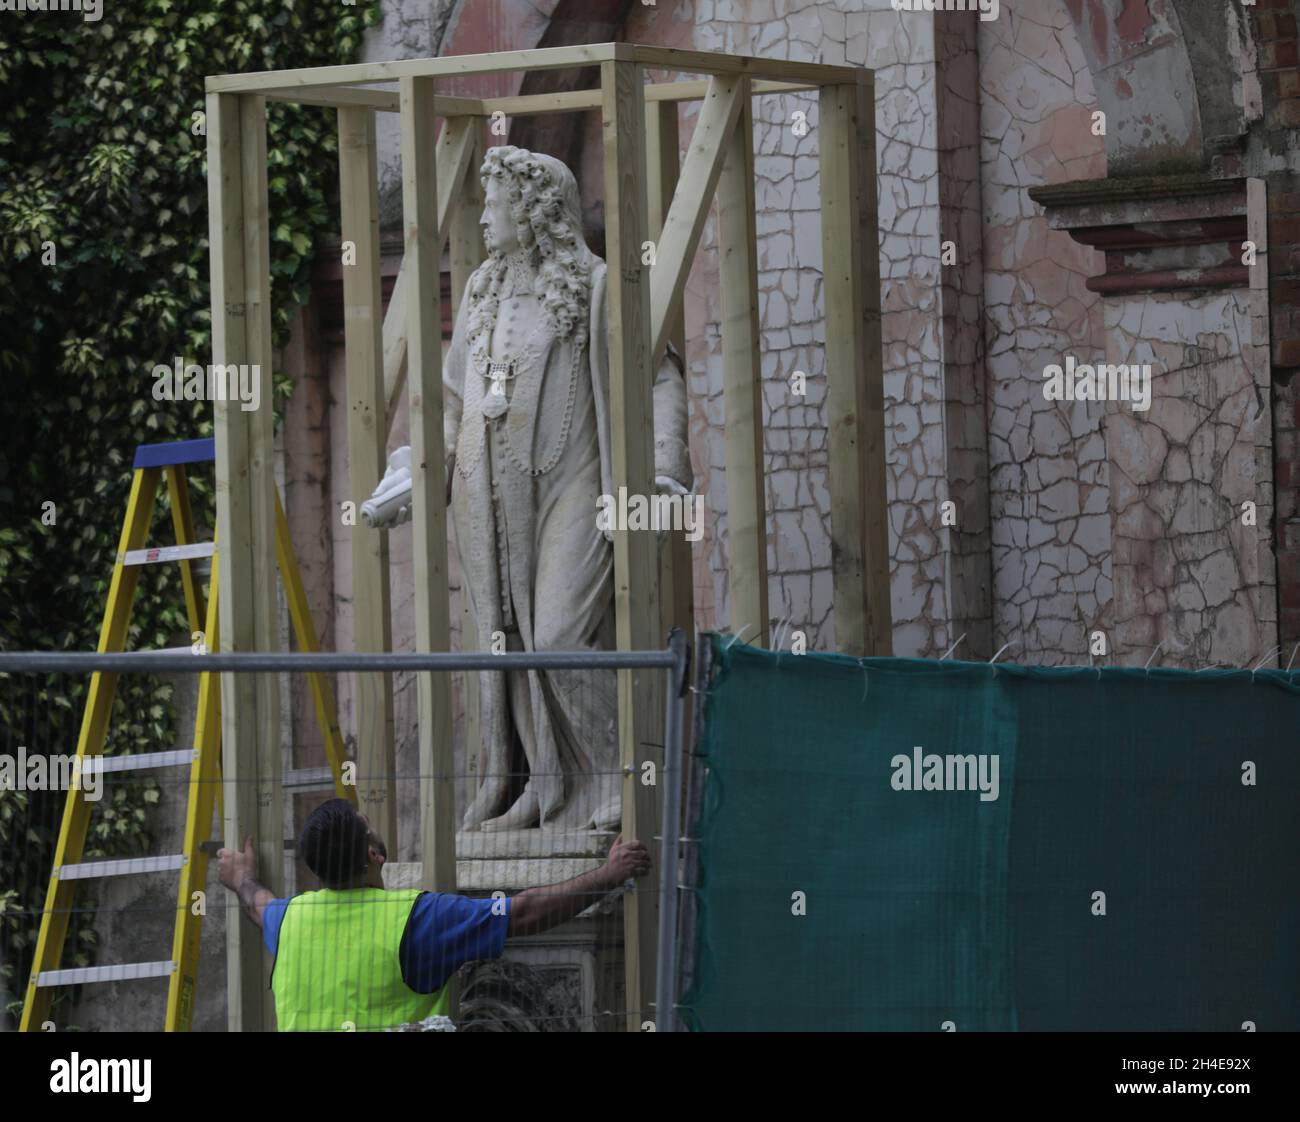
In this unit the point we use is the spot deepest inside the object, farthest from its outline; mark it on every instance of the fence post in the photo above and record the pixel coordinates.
(670, 831)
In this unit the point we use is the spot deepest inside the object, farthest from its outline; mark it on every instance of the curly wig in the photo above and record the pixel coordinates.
(544, 205)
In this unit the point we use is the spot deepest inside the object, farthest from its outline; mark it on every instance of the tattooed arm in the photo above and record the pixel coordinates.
(238, 871)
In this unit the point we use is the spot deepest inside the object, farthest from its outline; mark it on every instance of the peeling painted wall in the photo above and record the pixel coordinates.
(900, 48)
(1030, 562)
(1049, 476)
(1188, 571)
(962, 360)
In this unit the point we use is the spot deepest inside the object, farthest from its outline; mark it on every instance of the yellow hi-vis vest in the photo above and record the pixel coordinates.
(337, 964)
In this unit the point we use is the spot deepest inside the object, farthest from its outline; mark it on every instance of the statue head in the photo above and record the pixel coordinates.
(532, 206)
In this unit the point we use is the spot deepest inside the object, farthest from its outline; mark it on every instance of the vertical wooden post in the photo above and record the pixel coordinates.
(363, 340)
(465, 249)
(428, 478)
(636, 569)
(742, 381)
(663, 160)
(241, 334)
(676, 564)
(266, 616)
(854, 369)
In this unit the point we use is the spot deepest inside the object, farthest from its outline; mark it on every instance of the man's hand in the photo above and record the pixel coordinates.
(627, 859)
(537, 909)
(234, 866)
(238, 872)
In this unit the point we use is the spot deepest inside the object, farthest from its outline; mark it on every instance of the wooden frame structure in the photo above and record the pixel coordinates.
(645, 193)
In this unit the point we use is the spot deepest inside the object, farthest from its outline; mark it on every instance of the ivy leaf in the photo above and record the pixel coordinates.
(98, 156)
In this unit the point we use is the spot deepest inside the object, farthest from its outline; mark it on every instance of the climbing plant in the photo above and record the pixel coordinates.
(103, 275)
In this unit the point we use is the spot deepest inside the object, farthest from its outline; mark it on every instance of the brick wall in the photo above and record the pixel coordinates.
(1278, 56)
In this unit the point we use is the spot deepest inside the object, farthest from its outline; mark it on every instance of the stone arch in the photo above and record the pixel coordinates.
(1175, 78)
(1227, 96)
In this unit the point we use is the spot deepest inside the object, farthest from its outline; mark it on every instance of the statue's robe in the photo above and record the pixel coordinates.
(536, 566)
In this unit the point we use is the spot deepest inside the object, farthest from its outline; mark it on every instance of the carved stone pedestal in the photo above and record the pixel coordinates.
(568, 979)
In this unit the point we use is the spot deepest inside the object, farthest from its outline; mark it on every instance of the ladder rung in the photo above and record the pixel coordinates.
(177, 758)
(120, 867)
(156, 555)
(308, 779)
(124, 972)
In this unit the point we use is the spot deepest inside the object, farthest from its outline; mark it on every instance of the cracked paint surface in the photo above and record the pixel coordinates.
(900, 48)
(1049, 477)
(1035, 95)
(1190, 575)
(964, 348)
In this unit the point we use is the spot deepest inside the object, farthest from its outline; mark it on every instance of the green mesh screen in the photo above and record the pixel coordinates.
(939, 908)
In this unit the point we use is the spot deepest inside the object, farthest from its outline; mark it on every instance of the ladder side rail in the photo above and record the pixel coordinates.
(305, 632)
(204, 792)
(90, 743)
(178, 491)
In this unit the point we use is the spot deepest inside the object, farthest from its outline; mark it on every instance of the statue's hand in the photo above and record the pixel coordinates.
(390, 505)
(667, 485)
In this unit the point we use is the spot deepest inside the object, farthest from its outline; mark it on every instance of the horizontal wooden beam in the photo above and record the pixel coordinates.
(712, 62)
(385, 101)
(278, 82)
(526, 105)
(696, 89)
(337, 97)
(449, 66)
(570, 101)
(533, 105)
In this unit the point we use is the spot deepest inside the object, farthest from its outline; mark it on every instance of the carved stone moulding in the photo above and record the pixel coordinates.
(1157, 233)
(513, 996)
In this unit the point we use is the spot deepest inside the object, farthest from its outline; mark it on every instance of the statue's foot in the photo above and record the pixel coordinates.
(390, 505)
(525, 813)
(490, 797)
(609, 816)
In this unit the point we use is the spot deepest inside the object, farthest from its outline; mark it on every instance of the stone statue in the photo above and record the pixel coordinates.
(527, 413)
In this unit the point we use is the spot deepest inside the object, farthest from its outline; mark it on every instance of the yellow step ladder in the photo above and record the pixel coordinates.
(203, 759)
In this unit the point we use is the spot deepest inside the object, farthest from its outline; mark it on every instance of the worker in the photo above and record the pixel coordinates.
(355, 955)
